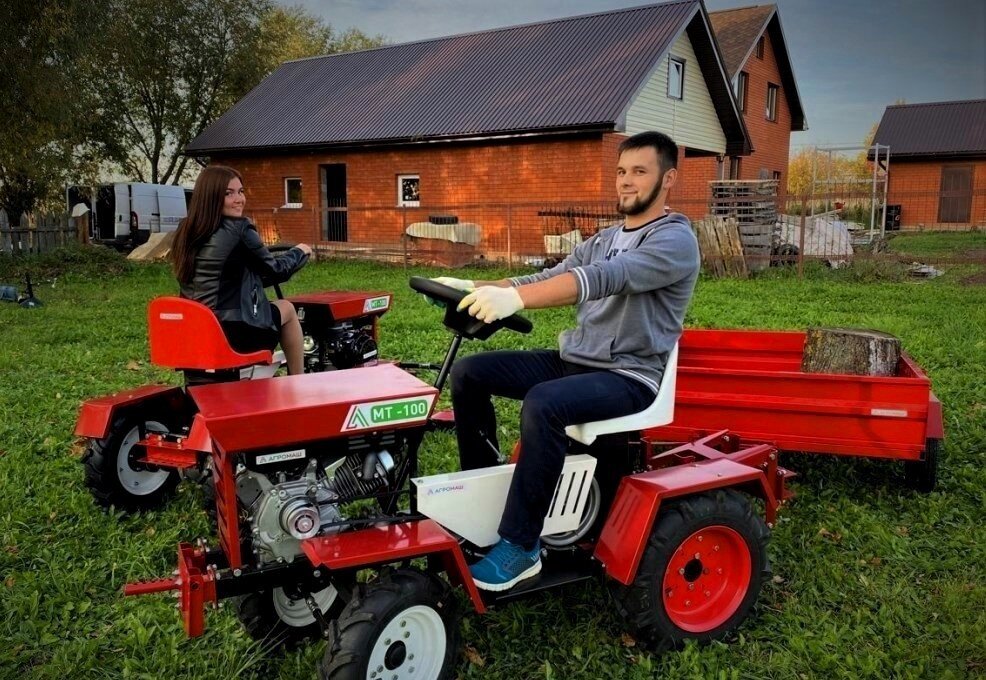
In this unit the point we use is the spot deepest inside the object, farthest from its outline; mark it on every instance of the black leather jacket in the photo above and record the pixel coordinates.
(233, 267)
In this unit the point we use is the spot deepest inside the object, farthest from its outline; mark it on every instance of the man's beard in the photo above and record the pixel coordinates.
(639, 205)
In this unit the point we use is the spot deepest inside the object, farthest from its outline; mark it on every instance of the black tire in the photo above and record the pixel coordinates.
(421, 614)
(644, 604)
(276, 619)
(922, 475)
(111, 477)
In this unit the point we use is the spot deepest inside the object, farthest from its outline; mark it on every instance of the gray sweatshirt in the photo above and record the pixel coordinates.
(633, 289)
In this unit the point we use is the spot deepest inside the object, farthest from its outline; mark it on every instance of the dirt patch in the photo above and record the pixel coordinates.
(975, 280)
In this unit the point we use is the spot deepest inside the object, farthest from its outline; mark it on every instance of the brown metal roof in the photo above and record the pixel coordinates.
(936, 128)
(738, 30)
(579, 73)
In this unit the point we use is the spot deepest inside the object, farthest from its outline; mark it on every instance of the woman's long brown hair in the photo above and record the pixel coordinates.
(205, 212)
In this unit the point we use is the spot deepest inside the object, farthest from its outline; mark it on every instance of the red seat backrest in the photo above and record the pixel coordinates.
(185, 334)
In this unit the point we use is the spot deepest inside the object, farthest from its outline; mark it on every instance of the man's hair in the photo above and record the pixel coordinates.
(664, 146)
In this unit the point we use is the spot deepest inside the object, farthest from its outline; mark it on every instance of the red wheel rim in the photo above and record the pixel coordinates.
(706, 579)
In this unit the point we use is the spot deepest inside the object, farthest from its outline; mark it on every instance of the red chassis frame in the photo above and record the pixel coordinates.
(711, 463)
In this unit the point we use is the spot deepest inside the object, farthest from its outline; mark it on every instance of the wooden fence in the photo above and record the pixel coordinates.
(40, 235)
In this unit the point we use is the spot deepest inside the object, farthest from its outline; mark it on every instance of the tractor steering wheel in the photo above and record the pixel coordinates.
(461, 322)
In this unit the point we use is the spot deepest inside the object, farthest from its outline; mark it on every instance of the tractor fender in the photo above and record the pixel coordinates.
(96, 415)
(391, 543)
(638, 498)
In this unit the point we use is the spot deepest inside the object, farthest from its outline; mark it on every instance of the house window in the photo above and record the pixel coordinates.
(772, 102)
(676, 78)
(759, 51)
(741, 82)
(408, 191)
(292, 192)
(734, 167)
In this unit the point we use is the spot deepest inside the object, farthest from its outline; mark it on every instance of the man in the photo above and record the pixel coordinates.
(632, 283)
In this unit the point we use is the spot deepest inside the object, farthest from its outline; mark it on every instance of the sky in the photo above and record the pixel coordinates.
(851, 58)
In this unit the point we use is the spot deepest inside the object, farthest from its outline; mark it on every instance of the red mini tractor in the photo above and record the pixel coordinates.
(316, 479)
(340, 332)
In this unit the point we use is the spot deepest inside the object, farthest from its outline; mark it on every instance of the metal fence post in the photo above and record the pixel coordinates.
(510, 252)
(801, 242)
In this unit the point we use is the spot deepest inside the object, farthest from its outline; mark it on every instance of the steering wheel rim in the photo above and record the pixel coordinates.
(453, 296)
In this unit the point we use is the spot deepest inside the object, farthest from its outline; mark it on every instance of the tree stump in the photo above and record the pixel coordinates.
(850, 351)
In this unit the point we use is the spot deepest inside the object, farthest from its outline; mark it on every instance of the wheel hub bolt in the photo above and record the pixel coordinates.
(708, 594)
(716, 548)
(719, 570)
(682, 571)
(691, 586)
(688, 603)
(697, 556)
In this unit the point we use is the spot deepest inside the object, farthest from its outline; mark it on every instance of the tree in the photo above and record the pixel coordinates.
(45, 57)
(173, 66)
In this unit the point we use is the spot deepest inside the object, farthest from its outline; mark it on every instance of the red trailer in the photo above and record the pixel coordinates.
(750, 382)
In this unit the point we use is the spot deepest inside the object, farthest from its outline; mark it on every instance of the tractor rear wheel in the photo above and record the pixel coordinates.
(404, 625)
(113, 475)
(700, 573)
(278, 618)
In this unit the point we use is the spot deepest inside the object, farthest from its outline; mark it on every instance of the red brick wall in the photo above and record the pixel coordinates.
(490, 184)
(771, 139)
(916, 187)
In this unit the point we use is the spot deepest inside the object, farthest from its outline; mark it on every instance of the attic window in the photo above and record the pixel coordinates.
(408, 191)
(292, 192)
(676, 78)
(759, 51)
(741, 82)
(772, 102)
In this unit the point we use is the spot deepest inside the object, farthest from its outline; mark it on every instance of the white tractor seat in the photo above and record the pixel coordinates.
(660, 412)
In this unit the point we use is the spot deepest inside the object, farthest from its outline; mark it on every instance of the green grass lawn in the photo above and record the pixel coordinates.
(871, 580)
(940, 243)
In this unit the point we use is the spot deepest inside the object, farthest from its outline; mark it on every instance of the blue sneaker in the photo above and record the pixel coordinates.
(505, 565)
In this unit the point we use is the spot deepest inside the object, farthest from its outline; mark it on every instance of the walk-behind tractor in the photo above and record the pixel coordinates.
(316, 480)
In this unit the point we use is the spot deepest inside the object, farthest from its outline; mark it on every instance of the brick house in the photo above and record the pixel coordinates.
(759, 67)
(937, 172)
(490, 127)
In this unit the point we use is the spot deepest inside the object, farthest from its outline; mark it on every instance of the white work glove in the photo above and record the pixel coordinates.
(492, 303)
(458, 284)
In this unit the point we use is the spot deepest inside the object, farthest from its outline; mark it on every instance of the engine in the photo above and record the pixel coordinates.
(286, 498)
(342, 345)
(340, 329)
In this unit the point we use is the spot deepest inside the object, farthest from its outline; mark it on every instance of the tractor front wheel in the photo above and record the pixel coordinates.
(114, 475)
(404, 625)
(278, 618)
(700, 573)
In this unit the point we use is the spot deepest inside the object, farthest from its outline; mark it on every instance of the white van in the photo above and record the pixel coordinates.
(125, 214)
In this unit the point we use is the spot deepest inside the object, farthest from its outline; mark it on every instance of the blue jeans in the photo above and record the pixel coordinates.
(556, 394)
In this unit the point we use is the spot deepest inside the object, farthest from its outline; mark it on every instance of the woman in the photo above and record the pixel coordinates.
(221, 262)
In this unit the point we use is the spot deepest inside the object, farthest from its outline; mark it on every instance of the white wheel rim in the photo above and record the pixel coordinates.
(411, 647)
(295, 613)
(138, 482)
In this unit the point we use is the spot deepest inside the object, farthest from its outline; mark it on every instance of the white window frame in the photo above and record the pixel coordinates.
(287, 199)
(401, 203)
(681, 83)
(772, 91)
